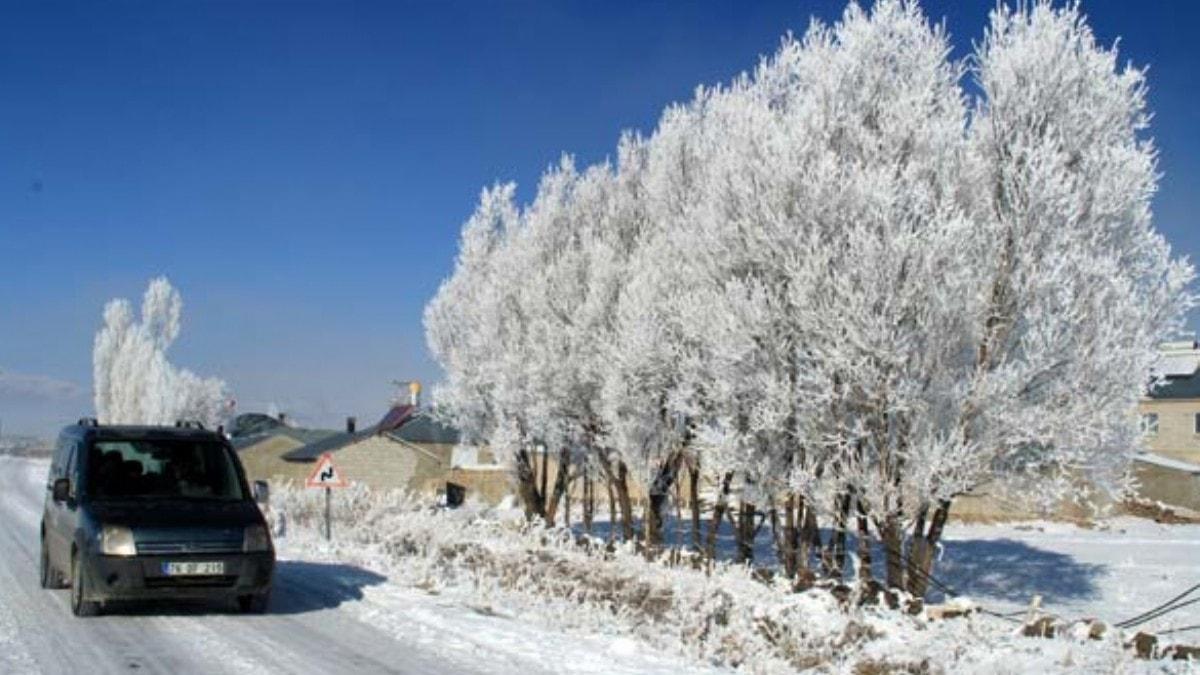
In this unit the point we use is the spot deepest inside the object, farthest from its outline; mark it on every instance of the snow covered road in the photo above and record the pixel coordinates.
(320, 620)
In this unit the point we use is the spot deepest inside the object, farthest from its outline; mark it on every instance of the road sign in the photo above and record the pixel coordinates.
(326, 475)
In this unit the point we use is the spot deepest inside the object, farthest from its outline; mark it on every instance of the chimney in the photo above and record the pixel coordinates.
(351, 423)
(414, 393)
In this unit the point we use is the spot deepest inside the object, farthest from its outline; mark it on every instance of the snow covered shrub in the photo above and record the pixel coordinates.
(134, 383)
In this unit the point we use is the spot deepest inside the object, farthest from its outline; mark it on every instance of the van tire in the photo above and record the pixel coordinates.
(45, 573)
(253, 604)
(79, 606)
(49, 577)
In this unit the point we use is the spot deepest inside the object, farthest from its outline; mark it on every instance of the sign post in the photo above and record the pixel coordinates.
(325, 475)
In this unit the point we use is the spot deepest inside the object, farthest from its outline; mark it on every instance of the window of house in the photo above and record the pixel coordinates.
(1150, 423)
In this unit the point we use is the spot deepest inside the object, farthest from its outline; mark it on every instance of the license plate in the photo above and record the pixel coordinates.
(189, 569)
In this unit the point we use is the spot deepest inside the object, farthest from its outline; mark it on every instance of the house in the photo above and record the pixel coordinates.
(1169, 470)
(1170, 413)
(1166, 480)
(261, 441)
(407, 449)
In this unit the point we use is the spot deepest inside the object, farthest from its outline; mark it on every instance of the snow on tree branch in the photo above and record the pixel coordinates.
(134, 383)
(837, 279)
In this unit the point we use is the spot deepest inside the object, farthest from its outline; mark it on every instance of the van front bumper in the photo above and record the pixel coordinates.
(144, 576)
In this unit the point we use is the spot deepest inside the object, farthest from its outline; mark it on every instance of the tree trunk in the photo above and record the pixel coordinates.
(810, 537)
(589, 501)
(618, 481)
(776, 531)
(624, 501)
(562, 480)
(864, 545)
(612, 510)
(745, 534)
(714, 524)
(790, 537)
(545, 476)
(893, 550)
(678, 516)
(834, 556)
(920, 556)
(567, 505)
(659, 495)
(694, 498)
(531, 499)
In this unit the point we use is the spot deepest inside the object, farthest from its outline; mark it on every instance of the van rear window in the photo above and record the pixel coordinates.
(149, 469)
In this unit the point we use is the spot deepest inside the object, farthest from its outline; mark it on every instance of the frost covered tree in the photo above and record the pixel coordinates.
(134, 383)
(1057, 329)
(840, 287)
(484, 392)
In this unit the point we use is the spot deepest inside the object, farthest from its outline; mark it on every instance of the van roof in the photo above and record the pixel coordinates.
(113, 432)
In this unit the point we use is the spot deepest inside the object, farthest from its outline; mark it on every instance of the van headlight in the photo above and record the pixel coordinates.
(117, 540)
(256, 539)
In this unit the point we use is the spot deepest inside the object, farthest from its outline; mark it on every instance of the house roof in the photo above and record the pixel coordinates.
(1178, 365)
(311, 451)
(424, 428)
(1167, 462)
(1178, 359)
(1177, 387)
(254, 424)
(402, 422)
(300, 436)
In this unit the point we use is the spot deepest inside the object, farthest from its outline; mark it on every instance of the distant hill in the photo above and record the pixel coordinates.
(25, 446)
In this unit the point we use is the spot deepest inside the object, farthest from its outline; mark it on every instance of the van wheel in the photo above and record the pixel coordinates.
(49, 577)
(253, 604)
(79, 606)
(45, 575)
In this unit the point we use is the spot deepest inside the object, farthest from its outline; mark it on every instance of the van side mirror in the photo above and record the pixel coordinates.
(61, 490)
(262, 493)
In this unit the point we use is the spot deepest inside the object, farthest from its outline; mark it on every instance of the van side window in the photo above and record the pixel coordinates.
(72, 468)
(62, 452)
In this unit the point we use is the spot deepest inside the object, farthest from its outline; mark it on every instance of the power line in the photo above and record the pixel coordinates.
(1158, 614)
(1158, 610)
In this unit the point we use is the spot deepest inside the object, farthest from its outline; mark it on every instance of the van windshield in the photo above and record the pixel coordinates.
(149, 469)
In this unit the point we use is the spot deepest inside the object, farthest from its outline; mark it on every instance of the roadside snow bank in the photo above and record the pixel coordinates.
(491, 561)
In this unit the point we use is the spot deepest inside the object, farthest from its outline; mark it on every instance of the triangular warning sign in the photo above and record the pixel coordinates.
(326, 475)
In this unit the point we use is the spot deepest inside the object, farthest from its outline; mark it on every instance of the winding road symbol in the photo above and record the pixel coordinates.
(325, 474)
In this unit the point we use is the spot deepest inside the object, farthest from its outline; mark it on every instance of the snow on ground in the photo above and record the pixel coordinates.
(1114, 571)
(725, 619)
(503, 640)
(374, 600)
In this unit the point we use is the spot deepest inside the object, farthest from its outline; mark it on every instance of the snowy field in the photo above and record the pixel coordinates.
(1113, 572)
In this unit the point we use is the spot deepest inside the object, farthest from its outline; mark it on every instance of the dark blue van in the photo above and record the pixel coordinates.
(146, 512)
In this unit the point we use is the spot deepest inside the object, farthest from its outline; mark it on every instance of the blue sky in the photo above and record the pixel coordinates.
(301, 170)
